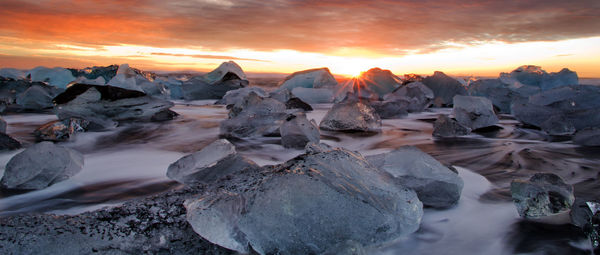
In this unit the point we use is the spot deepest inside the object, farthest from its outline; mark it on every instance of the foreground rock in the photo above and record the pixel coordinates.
(312, 78)
(40, 166)
(445, 126)
(210, 164)
(305, 205)
(444, 88)
(351, 115)
(435, 184)
(106, 106)
(60, 130)
(544, 194)
(562, 110)
(474, 112)
(296, 131)
(254, 116)
(214, 85)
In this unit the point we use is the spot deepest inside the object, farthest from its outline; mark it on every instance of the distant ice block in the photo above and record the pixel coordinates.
(58, 76)
(444, 88)
(312, 78)
(474, 112)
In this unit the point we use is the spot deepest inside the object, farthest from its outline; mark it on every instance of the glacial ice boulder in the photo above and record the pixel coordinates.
(40, 166)
(444, 88)
(305, 205)
(125, 78)
(445, 126)
(563, 78)
(544, 194)
(106, 106)
(575, 105)
(312, 78)
(496, 91)
(351, 115)
(12, 73)
(436, 185)
(96, 72)
(229, 68)
(528, 75)
(587, 137)
(3, 125)
(314, 96)
(228, 76)
(60, 130)
(297, 131)
(58, 77)
(254, 116)
(297, 103)
(237, 95)
(418, 95)
(8, 143)
(378, 81)
(36, 98)
(535, 76)
(281, 95)
(98, 81)
(210, 164)
(474, 112)
(393, 109)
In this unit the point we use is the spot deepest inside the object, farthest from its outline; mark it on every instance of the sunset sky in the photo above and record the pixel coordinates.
(458, 37)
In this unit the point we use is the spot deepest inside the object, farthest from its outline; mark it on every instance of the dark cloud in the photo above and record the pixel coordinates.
(385, 26)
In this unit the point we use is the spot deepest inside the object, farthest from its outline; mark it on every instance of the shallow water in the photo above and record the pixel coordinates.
(131, 161)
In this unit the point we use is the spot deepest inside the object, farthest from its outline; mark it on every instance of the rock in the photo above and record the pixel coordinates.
(228, 76)
(575, 105)
(444, 88)
(106, 106)
(544, 194)
(417, 94)
(234, 96)
(314, 96)
(58, 77)
(586, 215)
(391, 109)
(587, 137)
(297, 103)
(35, 98)
(474, 112)
(213, 162)
(496, 91)
(563, 78)
(296, 131)
(304, 206)
(254, 116)
(3, 125)
(8, 143)
(378, 81)
(351, 115)
(60, 130)
(444, 126)
(312, 78)
(436, 185)
(40, 166)
(12, 73)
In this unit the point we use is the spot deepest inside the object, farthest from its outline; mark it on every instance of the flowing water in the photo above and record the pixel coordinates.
(131, 161)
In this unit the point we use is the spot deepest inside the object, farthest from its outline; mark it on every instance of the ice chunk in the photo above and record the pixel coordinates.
(444, 88)
(213, 162)
(435, 184)
(58, 77)
(237, 95)
(35, 98)
(444, 126)
(312, 78)
(304, 206)
(474, 112)
(588, 137)
(220, 74)
(313, 96)
(419, 96)
(60, 130)
(378, 81)
(2, 125)
(254, 116)
(499, 93)
(125, 78)
(528, 75)
(543, 194)
(563, 78)
(12, 73)
(82, 79)
(351, 115)
(8, 143)
(394, 109)
(296, 131)
(40, 166)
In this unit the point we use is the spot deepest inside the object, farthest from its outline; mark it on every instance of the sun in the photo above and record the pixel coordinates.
(348, 70)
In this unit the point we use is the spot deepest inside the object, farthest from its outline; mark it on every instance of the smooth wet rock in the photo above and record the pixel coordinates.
(435, 184)
(314, 96)
(587, 137)
(417, 94)
(8, 143)
(496, 91)
(444, 88)
(297, 131)
(445, 126)
(35, 98)
(61, 130)
(254, 116)
(312, 78)
(40, 166)
(58, 76)
(234, 96)
(351, 115)
(544, 194)
(106, 106)
(210, 164)
(394, 109)
(214, 85)
(305, 205)
(474, 112)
